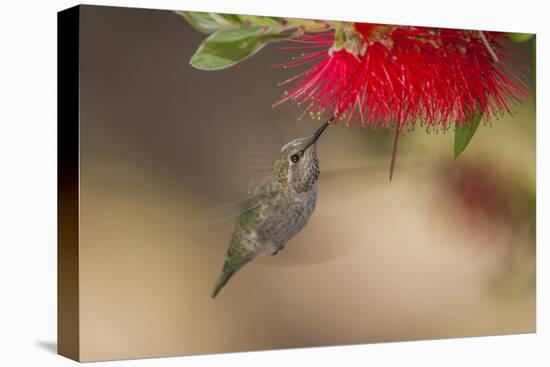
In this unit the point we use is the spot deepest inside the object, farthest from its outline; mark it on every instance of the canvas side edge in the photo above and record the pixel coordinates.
(68, 157)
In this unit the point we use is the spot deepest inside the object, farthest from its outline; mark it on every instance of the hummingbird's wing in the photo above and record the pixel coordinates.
(253, 159)
(332, 181)
(246, 160)
(357, 181)
(228, 211)
(353, 178)
(336, 178)
(214, 224)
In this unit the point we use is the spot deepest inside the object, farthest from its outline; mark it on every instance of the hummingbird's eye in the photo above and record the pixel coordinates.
(295, 158)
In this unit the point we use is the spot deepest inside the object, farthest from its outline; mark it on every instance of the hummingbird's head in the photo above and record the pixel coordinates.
(297, 165)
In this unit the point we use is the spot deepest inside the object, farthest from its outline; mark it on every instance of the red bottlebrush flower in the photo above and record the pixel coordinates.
(398, 75)
(329, 84)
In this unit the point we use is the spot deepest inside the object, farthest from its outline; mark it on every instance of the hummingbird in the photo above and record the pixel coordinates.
(278, 209)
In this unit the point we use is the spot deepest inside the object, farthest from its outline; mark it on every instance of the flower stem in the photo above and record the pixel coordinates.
(394, 150)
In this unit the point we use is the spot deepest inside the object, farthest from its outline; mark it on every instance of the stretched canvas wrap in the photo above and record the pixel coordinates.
(234, 183)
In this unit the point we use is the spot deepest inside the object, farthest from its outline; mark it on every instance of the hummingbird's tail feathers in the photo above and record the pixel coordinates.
(232, 265)
(224, 278)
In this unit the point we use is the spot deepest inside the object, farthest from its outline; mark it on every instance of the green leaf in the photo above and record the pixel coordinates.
(227, 47)
(213, 22)
(202, 22)
(520, 37)
(464, 134)
(226, 18)
(234, 37)
(261, 21)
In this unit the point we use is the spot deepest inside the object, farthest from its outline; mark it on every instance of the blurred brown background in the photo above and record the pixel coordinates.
(445, 250)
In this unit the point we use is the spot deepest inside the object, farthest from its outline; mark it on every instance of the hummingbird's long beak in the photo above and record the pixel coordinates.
(319, 131)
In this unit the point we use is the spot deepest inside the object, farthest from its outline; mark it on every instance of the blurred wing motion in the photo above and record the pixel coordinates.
(355, 178)
(221, 219)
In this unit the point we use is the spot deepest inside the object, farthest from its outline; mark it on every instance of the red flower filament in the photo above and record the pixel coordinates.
(397, 76)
